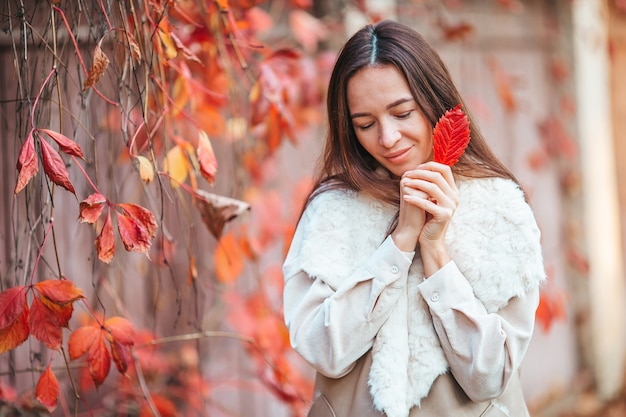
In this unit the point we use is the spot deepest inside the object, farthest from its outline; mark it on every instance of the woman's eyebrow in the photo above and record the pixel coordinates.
(388, 107)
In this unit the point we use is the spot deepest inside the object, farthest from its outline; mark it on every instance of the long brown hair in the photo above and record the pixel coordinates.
(344, 162)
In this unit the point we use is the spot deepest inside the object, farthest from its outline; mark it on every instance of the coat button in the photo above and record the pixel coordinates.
(394, 269)
(434, 297)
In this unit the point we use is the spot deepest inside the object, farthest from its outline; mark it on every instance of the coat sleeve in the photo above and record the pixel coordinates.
(334, 317)
(483, 349)
(483, 302)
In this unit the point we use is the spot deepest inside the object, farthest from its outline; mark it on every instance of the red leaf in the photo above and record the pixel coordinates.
(48, 389)
(44, 324)
(91, 208)
(54, 167)
(99, 360)
(121, 356)
(206, 158)
(121, 330)
(137, 226)
(551, 308)
(16, 333)
(66, 144)
(81, 340)
(12, 304)
(59, 291)
(105, 242)
(451, 136)
(27, 165)
(62, 312)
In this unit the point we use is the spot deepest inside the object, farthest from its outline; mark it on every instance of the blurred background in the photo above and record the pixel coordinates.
(210, 116)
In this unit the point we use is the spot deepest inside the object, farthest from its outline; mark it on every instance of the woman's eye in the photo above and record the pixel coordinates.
(365, 127)
(404, 115)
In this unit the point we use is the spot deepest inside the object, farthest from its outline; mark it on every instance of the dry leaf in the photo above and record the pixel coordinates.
(99, 65)
(217, 210)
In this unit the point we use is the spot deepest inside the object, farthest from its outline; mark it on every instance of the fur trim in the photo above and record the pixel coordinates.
(493, 239)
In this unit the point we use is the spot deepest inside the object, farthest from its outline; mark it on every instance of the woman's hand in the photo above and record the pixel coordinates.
(410, 217)
(431, 189)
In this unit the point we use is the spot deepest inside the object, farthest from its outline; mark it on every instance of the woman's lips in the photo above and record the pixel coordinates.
(398, 156)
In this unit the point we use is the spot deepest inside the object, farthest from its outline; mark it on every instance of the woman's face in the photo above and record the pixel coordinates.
(388, 122)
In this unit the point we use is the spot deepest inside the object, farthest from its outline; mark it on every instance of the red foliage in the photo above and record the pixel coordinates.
(50, 310)
(451, 136)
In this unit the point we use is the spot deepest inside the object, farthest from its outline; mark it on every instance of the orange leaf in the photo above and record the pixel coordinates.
(228, 258)
(206, 157)
(551, 307)
(66, 144)
(27, 165)
(54, 167)
(451, 136)
(91, 208)
(15, 333)
(98, 66)
(121, 330)
(59, 291)
(48, 389)
(81, 340)
(166, 40)
(62, 312)
(12, 305)
(44, 324)
(105, 242)
(99, 360)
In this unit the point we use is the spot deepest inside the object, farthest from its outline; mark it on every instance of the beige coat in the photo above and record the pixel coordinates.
(350, 292)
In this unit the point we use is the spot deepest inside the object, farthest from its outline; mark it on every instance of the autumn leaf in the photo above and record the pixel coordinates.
(44, 324)
(121, 338)
(47, 390)
(105, 242)
(551, 308)
(176, 165)
(91, 340)
(206, 158)
(59, 291)
(146, 171)
(91, 208)
(217, 210)
(451, 136)
(81, 340)
(137, 227)
(228, 259)
(15, 333)
(66, 144)
(12, 305)
(98, 67)
(27, 165)
(54, 167)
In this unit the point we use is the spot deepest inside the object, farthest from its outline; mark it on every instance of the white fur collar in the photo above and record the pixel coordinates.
(493, 239)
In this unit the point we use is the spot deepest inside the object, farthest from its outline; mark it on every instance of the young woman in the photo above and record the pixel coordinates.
(411, 287)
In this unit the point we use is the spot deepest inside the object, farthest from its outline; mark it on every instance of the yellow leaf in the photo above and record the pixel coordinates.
(146, 171)
(175, 164)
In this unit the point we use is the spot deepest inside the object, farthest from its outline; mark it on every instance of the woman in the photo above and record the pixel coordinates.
(411, 287)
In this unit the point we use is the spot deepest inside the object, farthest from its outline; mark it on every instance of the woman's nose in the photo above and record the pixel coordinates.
(389, 134)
